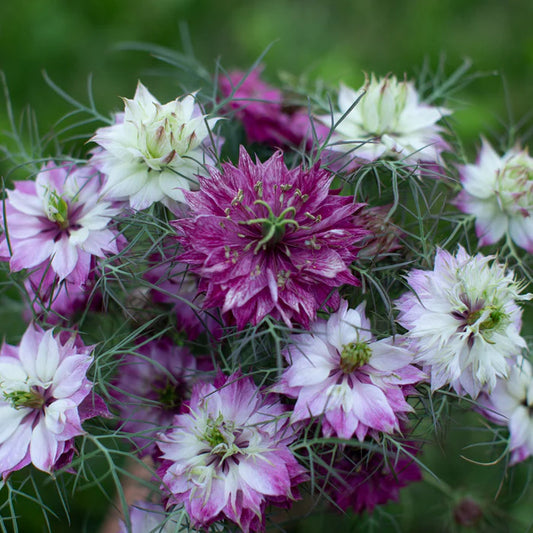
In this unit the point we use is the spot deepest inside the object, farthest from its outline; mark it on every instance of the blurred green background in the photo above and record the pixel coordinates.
(336, 40)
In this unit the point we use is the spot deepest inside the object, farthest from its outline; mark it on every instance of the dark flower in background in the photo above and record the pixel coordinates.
(265, 119)
(363, 481)
(151, 387)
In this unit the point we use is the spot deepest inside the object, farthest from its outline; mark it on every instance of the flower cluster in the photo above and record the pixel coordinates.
(265, 319)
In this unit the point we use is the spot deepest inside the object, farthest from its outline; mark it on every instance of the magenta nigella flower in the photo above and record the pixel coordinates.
(227, 455)
(268, 240)
(58, 218)
(151, 387)
(339, 370)
(42, 384)
(259, 107)
(367, 481)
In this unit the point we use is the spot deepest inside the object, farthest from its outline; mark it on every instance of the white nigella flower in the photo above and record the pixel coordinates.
(511, 403)
(498, 191)
(464, 319)
(388, 121)
(154, 151)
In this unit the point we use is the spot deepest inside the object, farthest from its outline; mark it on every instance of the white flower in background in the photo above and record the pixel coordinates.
(154, 151)
(464, 320)
(498, 191)
(511, 404)
(388, 121)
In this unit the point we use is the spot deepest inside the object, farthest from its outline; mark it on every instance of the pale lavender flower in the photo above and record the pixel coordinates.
(59, 219)
(464, 320)
(153, 152)
(389, 120)
(340, 371)
(227, 455)
(498, 191)
(42, 384)
(511, 404)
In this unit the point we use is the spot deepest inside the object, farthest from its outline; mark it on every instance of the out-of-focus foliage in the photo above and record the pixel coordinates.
(336, 40)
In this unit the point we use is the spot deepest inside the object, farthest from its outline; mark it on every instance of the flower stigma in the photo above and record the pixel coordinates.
(354, 355)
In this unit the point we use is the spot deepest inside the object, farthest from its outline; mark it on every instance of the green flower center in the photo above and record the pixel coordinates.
(354, 355)
(492, 318)
(214, 435)
(273, 227)
(32, 399)
(170, 396)
(57, 209)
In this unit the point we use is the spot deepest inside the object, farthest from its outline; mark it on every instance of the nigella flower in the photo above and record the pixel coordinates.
(151, 387)
(362, 481)
(511, 404)
(498, 191)
(42, 384)
(464, 319)
(266, 240)
(388, 121)
(260, 108)
(227, 455)
(59, 221)
(339, 370)
(154, 151)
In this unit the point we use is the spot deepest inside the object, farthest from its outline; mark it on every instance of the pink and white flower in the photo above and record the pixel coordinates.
(498, 191)
(389, 120)
(155, 151)
(42, 384)
(266, 240)
(59, 219)
(464, 320)
(511, 404)
(227, 455)
(340, 371)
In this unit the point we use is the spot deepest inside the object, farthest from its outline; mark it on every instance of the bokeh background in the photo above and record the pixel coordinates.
(336, 40)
